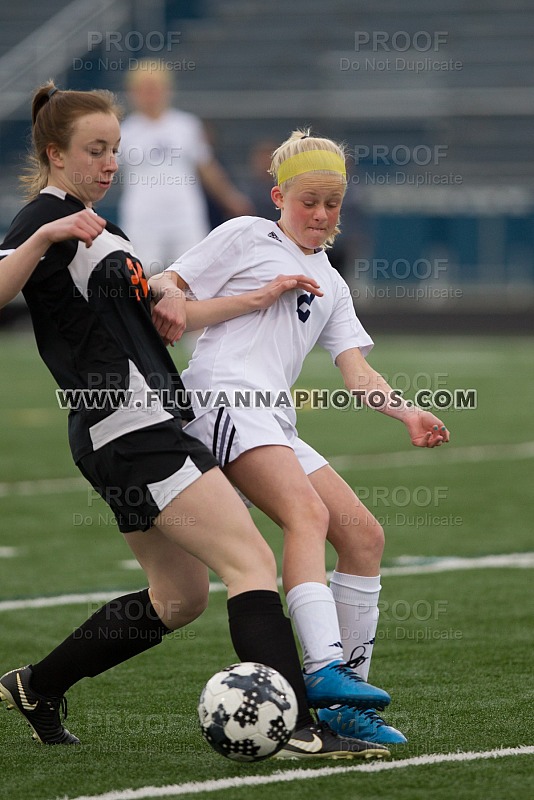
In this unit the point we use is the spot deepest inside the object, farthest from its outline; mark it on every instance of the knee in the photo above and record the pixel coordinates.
(185, 612)
(253, 566)
(362, 532)
(191, 609)
(322, 516)
(375, 536)
(312, 515)
(266, 560)
(370, 535)
(176, 610)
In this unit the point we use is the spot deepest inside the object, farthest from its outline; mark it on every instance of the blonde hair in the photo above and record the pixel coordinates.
(301, 141)
(54, 113)
(148, 67)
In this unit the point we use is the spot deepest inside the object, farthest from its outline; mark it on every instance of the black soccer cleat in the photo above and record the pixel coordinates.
(41, 713)
(319, 741)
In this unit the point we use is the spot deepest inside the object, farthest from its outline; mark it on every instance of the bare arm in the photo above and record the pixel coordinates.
(172, 314)
(219, 186)
(424, 428)
(16, 268)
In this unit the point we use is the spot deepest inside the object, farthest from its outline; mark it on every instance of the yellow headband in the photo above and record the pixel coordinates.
(310, 161)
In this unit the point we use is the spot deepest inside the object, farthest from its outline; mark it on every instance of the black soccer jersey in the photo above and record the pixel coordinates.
(90, 309)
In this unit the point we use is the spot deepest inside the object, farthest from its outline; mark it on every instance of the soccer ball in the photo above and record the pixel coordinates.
(247, 712)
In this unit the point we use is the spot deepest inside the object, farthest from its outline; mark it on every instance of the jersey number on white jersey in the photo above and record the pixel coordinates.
(304, 300)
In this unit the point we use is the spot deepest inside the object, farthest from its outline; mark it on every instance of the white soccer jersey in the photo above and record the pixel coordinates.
(265, 349)
(161, 190)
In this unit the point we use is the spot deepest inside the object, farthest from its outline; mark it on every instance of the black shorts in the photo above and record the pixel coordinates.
(139, 473)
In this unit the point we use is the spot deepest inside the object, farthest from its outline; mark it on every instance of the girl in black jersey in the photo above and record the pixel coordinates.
(91, 311)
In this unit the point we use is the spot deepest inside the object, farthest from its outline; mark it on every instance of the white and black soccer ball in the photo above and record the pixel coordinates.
(247, 712)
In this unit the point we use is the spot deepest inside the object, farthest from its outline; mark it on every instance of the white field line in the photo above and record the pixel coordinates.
(8, 552)
(59, 600)
(45, 486)
(448, 455)
(447, 564)
(405, 458)
(453, 563)
(288, 776)
(418, 565)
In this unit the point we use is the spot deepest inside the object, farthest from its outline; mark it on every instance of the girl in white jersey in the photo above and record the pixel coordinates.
(259, 448)
(91, 312)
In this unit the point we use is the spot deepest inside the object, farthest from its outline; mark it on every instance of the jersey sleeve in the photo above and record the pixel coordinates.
(210, 265)
(25, 224)
(343, 329)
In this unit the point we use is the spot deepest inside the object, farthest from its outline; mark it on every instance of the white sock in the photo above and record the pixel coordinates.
(313, 611)
(356, 599)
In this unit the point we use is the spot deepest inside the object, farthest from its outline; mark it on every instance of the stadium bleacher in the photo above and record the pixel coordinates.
(435, 101)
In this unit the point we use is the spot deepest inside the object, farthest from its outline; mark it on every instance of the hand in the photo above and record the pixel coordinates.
(425, 429)
(84, 225)
(169, 316)
(270, 293)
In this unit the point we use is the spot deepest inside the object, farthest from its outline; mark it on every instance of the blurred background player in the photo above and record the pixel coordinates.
(167, 167)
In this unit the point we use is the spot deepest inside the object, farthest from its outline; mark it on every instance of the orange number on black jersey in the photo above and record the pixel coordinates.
(137, 277)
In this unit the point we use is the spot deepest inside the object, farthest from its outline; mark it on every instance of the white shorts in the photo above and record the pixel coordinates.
(229, 432)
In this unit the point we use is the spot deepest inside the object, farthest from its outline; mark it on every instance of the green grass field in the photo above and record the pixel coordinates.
(454, 647)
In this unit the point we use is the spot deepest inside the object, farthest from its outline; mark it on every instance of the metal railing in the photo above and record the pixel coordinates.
(49, 50)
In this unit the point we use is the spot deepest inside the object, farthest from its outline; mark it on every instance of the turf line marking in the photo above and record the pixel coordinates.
(452, 564)
(46, 486)
(59, 600)
(286, 776)
(419, 456)
(447, 564)
(8, 552)
(416, 565)
(404, 458)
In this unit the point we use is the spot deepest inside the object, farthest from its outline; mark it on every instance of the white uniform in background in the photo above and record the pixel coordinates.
(162, 204)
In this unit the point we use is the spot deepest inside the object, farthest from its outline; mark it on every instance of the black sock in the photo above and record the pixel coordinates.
(119, 630)
(261, 632)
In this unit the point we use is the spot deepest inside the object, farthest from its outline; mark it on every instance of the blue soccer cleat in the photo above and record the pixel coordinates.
(365, 725)
(338, 683)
